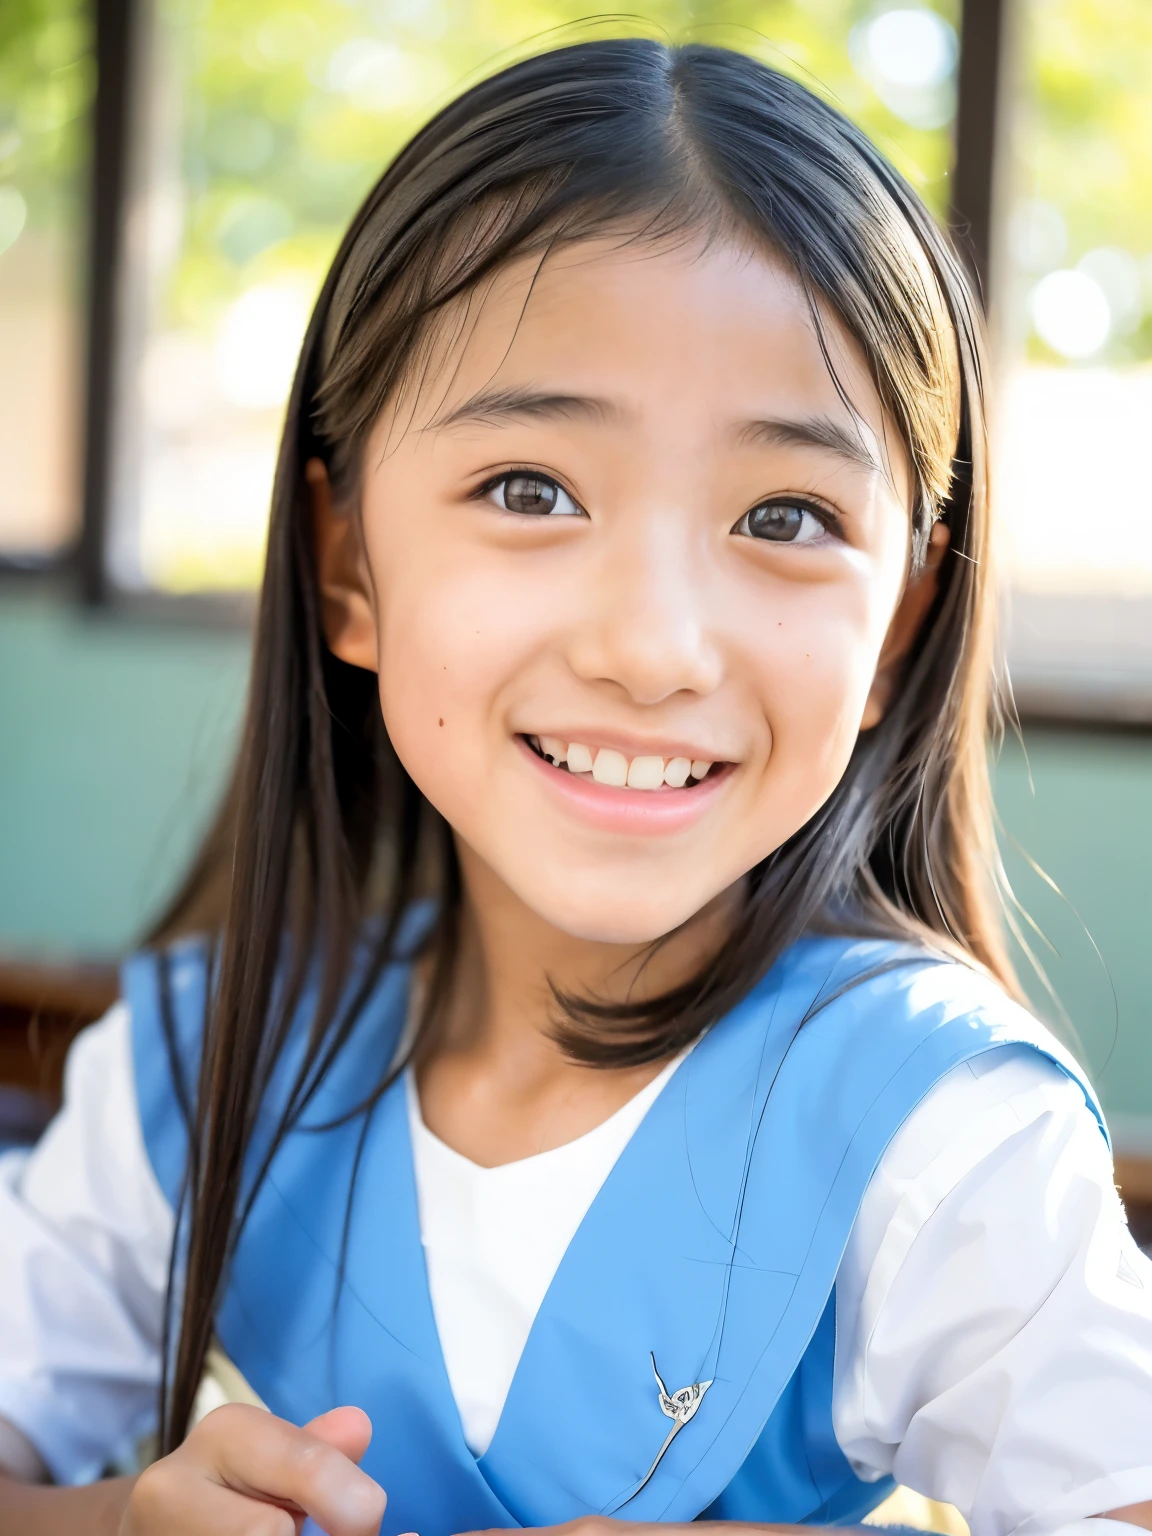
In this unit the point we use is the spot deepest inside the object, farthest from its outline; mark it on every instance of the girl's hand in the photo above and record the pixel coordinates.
(242, 1472)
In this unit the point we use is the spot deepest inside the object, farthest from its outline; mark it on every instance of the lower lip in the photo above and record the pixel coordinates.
(636, 811)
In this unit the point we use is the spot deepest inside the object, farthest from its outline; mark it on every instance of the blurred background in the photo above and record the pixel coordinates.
(174, 177)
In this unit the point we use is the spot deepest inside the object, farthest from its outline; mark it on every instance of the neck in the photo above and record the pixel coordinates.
(493, 1082)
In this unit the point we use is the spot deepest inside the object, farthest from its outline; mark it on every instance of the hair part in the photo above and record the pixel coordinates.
(322, 828)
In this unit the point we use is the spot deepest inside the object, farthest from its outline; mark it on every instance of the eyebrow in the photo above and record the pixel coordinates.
(495, 405)
(491, 406)
(812, 432)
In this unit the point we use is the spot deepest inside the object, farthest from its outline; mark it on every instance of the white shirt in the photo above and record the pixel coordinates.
(494, 1237)
(994, 1317)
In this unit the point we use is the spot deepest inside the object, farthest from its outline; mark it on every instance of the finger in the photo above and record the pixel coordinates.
(254, 1453)
(181, 1501)
(348, 1429)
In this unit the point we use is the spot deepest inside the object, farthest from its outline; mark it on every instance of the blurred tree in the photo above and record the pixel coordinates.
(294, 106)
(45, 88)
(1081, 143)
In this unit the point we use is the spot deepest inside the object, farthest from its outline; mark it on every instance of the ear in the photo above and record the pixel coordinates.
(907, 621)
(347, 608)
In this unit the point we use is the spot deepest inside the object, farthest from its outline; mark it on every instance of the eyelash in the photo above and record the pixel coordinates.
(825, 514)
(529, 470)
(828, 516)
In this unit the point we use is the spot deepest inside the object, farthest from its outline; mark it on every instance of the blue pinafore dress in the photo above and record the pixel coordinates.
(710, 1251)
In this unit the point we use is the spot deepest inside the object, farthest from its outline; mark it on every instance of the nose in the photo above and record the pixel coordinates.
(649, 625)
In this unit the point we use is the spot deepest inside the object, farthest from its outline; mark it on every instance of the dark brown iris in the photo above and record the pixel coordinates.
(777, 521)
(529, 493)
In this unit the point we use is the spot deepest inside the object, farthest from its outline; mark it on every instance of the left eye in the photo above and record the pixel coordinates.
(535, 495)
(781, 522)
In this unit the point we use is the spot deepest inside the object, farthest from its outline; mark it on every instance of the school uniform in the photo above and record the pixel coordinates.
(864, 1230)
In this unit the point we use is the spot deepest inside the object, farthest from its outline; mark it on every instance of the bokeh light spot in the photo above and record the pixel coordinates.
(13, 214)
(1070, 312)
(258, 344)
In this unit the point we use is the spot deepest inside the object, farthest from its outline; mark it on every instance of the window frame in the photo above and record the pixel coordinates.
(114, 27)
(120, 28)
(117, 35)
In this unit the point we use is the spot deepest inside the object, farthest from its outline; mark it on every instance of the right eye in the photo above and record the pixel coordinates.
(533, 495)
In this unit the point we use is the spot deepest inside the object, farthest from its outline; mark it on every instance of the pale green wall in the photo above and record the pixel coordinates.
(113, 737)
(114, 734)
(1086, 819)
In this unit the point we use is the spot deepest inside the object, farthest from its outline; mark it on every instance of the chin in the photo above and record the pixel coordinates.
(606, 914)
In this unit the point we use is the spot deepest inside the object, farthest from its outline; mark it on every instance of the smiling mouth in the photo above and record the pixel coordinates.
(605, 765)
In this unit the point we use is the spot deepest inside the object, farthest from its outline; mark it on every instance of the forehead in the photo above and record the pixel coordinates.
(685, 327)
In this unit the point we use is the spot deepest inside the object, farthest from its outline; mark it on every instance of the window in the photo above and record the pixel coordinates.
(265, 123)
(45, 88)
(257, 125)
(1074, 322)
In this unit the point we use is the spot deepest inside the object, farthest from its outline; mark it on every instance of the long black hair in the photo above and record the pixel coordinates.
(322, 828)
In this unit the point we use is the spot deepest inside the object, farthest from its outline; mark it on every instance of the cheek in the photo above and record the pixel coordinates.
(833, 661)
(435, 665)
(813, 670)
(453, 631)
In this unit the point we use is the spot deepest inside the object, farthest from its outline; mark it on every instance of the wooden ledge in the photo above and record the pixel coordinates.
(1134, 1179)
(58, 988)
(43, 1005)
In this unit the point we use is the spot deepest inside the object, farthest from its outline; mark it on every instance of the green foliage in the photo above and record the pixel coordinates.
(282, 112)
(295, 106)
(1081, 139)
(1086, 135)
(46, 82)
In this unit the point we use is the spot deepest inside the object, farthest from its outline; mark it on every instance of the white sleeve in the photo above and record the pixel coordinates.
(994, 1315)
(85, 1234)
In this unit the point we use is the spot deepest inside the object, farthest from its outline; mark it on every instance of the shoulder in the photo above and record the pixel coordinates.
(876, 1013)
(166, 994)
(970, 1114)
(870, 974)
(169, 995)
(987, 1137)
(989, 1242)
(98, 1101)
(100, 1054)
(165, 998)
(913, 992)
(90, 1167)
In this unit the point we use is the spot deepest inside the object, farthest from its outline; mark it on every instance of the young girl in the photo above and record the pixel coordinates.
(581, 1081)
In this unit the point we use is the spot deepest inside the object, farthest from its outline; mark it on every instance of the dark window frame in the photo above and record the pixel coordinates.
(117, 29)
(979, 121)
(114, 27)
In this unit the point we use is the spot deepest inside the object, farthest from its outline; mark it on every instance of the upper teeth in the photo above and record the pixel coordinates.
(609, 767)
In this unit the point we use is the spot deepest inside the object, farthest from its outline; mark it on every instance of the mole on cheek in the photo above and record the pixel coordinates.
(441, 722)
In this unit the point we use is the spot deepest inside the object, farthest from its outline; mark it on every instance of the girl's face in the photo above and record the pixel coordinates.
(628, 520)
